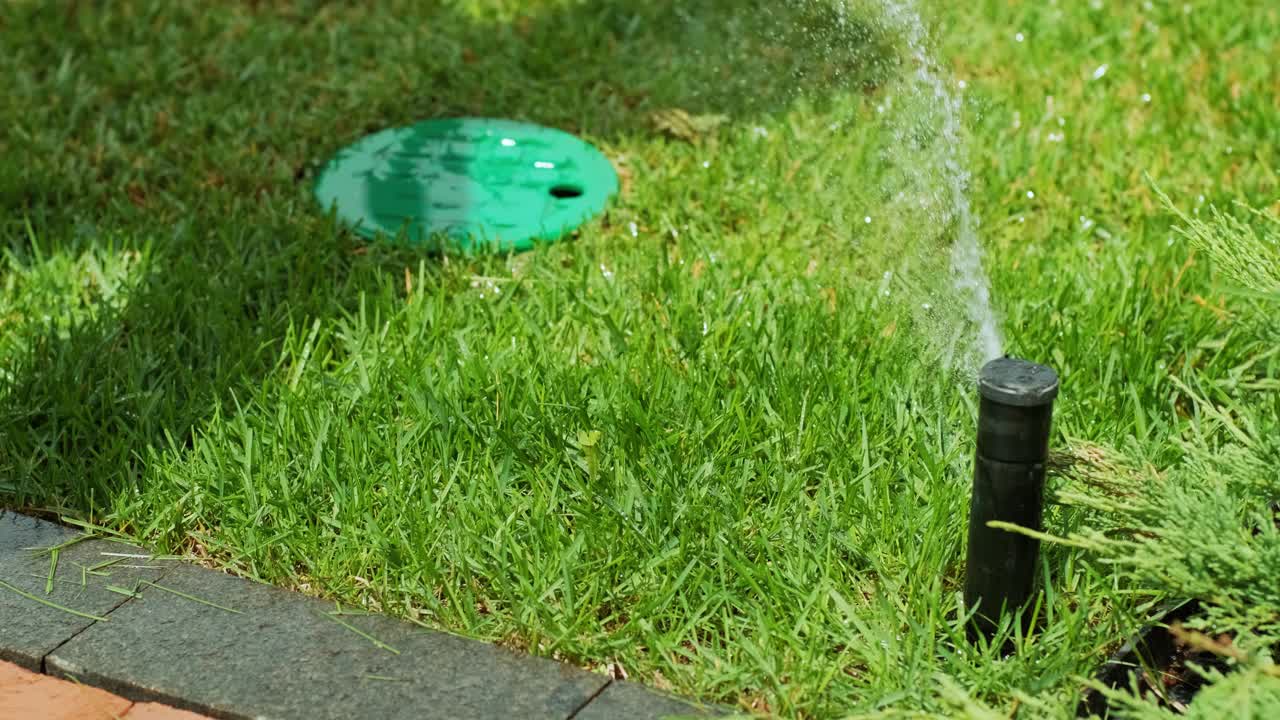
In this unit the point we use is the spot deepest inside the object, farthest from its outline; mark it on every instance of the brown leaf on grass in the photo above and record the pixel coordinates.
(776, 52)
(830, 295)
(624, 173)
(1220, 309)
(1222, 646)
(137, 194)
(661, 682)
(791, 173)
(757, 703)
(681, 125)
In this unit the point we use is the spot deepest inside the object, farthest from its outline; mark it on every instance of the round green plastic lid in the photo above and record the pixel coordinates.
(468, 184)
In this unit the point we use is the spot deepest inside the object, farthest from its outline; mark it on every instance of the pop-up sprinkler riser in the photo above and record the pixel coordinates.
(1014, 418)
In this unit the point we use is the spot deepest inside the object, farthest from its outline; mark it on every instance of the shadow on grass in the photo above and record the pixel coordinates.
(195, 130)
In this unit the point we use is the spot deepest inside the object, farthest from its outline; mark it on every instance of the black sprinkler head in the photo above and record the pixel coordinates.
(1014, 418)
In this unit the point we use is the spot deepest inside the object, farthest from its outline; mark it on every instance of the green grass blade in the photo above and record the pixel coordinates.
(93, 529)
(361, 633)
(50, 603)
(62, 545)
(122, 591)
(97, 568)
(53, 570)
(192, 598)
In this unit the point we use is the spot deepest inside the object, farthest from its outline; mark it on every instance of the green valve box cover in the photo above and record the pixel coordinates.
(468, 184)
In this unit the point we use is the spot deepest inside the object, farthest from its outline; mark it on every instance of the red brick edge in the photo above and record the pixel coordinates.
(24, 694)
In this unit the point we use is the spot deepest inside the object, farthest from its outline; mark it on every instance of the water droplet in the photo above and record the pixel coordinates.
(1019, 37)
(867, 219)
(706, 164)
(508, 142)
(704, 328)
(1146, 97)
(544, 165)
(635, 231)
(1100, 72)
(1031, 194)
(606, 272)
(1057, 137)
(963, 84)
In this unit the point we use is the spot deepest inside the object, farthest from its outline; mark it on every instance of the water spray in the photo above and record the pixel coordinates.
(1014, 418)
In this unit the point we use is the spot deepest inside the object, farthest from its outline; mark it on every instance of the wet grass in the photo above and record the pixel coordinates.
(697, 441)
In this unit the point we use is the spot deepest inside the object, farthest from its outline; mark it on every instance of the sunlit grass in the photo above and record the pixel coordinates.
(697, 440)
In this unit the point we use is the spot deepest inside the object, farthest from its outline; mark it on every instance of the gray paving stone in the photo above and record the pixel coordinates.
(29, 630)
(281, 657)
(628, 701)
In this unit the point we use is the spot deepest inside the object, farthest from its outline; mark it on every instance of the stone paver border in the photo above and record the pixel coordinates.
(110, 615)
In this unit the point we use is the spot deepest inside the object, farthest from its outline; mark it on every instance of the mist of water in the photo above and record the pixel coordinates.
(924, 237)
(926, 152)
(934, 264)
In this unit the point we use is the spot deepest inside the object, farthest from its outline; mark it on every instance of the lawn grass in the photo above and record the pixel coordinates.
(697, 441)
